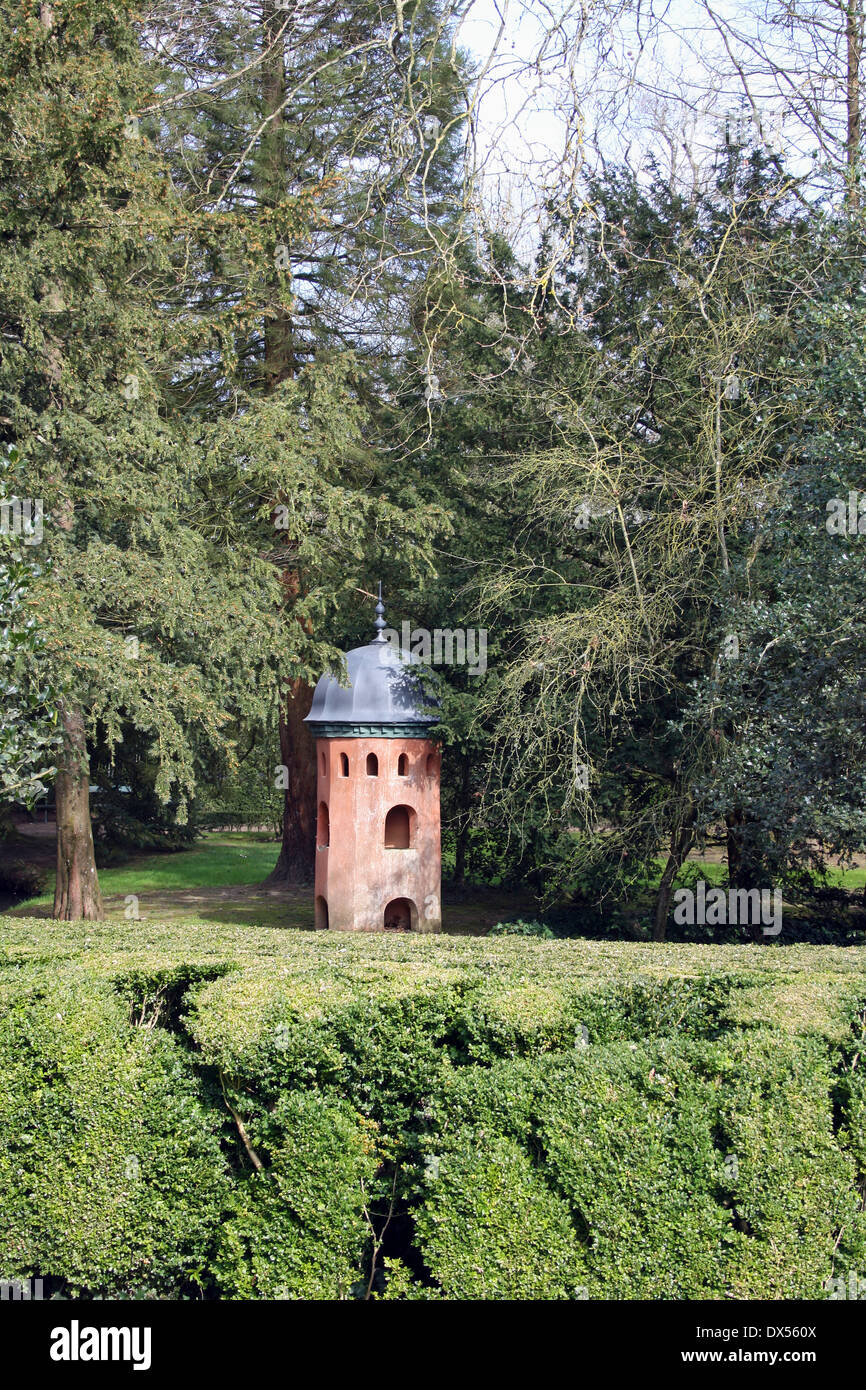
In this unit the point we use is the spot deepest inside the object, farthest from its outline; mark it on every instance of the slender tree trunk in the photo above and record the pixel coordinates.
(745, 866)
(460, 854)
(76, 894)
(297, 858)
(296, 862)
(681, 842)
(462, 836)
(854, 47)
(734, 835)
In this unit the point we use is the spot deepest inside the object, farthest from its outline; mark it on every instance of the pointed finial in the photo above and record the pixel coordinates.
(380, 618)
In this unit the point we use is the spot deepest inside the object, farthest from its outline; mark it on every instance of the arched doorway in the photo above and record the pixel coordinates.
(321, 914)
(401, 914)
(400, 828)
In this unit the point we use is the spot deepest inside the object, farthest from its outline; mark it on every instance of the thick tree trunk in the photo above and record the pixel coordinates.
(297, 860)
(76, 894)
(681, 842)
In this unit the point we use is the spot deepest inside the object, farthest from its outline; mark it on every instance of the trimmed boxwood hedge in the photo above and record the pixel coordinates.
(212, 1112)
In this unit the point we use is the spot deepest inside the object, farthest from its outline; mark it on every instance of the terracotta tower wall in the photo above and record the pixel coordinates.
(371, 864)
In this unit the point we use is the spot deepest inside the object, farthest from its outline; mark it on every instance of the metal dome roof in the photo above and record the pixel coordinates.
(383, 695)
(382, 690)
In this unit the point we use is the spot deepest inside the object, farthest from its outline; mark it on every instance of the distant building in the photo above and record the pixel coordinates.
(378, 849)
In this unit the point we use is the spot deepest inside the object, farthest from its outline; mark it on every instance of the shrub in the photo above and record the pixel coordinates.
(298, 1229)
(240, 1113)
(21, 879)
(520, 928)
(111, 1174)
(490, 1227)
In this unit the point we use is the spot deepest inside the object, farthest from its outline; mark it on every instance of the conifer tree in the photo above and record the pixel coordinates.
(158, 602)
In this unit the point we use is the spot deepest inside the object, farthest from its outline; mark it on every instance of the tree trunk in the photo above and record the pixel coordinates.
(854, 45)
(463, 822)
(76, 894)
(681, 843)
(296, 862)
(297, 859)
(744, 863)
(734, 835)
(460, 854)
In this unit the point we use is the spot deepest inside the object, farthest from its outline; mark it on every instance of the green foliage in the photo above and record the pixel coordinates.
(491, 1228)
(110, 1165)
(28, 715)
(298, 1229)
(520, 928)
(133, 310)
(314, 1115)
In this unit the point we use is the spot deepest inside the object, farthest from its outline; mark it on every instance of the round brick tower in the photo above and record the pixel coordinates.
(378, 851)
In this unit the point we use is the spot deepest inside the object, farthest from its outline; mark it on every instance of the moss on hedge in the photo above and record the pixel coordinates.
(211, 1111)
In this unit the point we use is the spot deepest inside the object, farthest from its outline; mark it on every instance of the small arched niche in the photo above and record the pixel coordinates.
(322, 763)
(372, 765)
(401, 914)
(344, 765)
(323, 826)
(432, 764)
(400, 828)
(403, 765)
(321, 913)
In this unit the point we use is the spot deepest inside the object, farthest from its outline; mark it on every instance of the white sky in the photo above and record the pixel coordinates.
(631, 79)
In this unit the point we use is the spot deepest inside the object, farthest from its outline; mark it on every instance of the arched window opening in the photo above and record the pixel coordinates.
(400, 915)
(372, 765)
(321, 914)
(432, 765)
(322, 761)
(323, 826)
(344, 765)
(403, 765)
(399, 827)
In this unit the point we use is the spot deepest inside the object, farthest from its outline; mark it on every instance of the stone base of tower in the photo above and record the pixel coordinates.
(378, 855)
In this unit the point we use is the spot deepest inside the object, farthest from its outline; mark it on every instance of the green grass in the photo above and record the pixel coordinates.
(711, 871)
(847, 878)
(219, 861)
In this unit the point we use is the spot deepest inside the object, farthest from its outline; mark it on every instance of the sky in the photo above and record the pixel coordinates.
(665, 84)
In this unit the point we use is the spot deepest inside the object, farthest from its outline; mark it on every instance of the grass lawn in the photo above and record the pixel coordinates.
(220, 880)
(219, 861)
